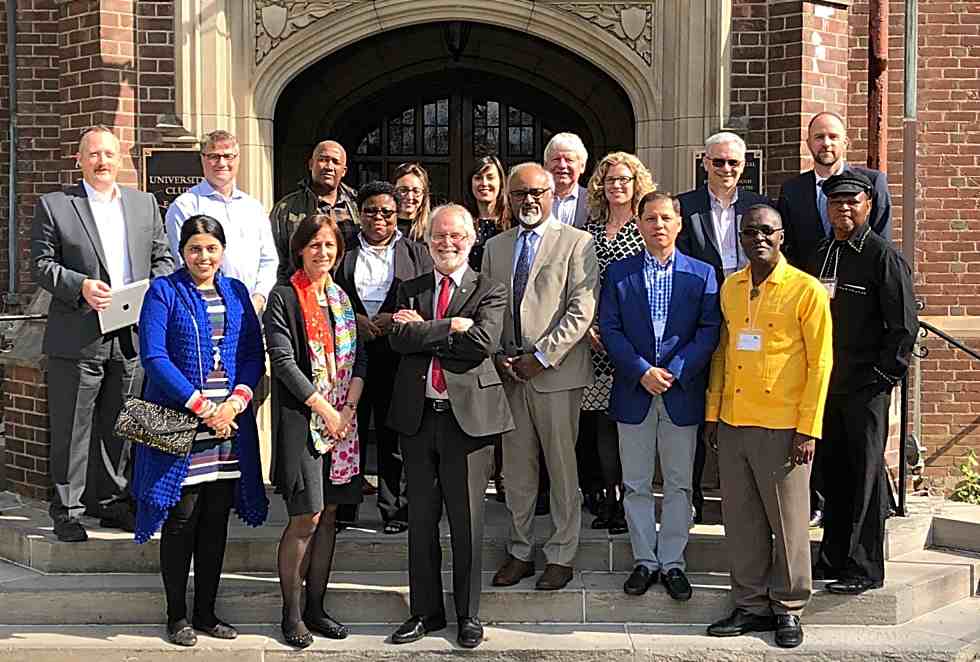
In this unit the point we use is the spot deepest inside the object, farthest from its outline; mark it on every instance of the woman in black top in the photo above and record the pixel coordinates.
(487, 201)
(318, 370)
(411, 183)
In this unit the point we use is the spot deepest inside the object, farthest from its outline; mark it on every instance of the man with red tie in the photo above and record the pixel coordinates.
(450, 409)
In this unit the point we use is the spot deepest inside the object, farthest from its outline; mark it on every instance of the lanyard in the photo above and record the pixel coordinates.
(748, 304)
(835, 249)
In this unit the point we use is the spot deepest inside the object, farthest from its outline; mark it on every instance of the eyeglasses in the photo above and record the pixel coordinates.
(454, 237)
(721, 163)
(523, 193)
(753, 231)
(405, 190)
(217, 158)
(377, 211)
(621, 181)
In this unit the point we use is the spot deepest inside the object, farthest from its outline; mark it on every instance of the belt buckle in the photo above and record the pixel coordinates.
(440, 405)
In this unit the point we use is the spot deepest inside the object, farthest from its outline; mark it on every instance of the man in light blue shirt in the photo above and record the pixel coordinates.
(250, 252)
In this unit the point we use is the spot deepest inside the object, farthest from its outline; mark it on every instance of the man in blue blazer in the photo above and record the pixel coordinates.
(660, 321)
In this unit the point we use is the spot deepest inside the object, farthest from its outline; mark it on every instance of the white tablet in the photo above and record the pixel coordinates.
(125, 307)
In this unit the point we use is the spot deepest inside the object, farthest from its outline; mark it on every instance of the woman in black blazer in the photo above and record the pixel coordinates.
(318, 370)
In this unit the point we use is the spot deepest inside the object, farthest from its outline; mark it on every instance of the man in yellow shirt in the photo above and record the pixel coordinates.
(764, 412)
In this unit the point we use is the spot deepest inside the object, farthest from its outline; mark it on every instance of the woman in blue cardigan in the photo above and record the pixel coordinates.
(201, 349)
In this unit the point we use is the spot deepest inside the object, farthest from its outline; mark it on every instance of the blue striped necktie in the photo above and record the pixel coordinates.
(521, 273)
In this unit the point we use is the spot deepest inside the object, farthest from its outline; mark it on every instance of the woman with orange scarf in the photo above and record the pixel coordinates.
(318, 370)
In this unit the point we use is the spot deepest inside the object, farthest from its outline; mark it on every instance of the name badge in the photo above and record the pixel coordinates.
(749, 340)
(658, 327)
(830, 284)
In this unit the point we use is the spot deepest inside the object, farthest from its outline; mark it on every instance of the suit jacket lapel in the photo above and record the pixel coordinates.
(505, 255)
(545, 248)
(79, 200)
(638, 285)
(810, 201)
(467, 286)
(347, 267)
(425, 303)
(677, 297)
(136, 240)
(707, 223)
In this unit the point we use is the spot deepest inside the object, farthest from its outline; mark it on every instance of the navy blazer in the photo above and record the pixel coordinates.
(801, 218)
(697, 238)
(690, 337)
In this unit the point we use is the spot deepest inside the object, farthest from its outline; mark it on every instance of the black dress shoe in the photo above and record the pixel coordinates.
(414, 629)
(326, 626)
(740, 622)
(853, 586)
(617, 525)
(677, 585)
(118, 515)
(789, 632)
(470, 633)
(640, 580)
(70, 529)
(220, 630)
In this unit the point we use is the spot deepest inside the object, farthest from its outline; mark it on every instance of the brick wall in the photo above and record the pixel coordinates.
(25, 400)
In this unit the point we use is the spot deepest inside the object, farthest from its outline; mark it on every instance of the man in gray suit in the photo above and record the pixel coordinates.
(87, 241)
(553, 274)
(450, 410)
(565, 157)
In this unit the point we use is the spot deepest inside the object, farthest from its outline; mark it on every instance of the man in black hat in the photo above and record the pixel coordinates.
(874, 319)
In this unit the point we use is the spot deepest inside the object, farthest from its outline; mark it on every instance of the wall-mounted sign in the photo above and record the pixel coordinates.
(169, 171)
(751, 179)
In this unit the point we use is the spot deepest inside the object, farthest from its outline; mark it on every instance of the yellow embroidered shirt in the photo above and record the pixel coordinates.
(783, 385)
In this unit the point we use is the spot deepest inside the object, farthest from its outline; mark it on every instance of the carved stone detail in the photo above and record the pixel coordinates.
(277, 20)
(630, 22)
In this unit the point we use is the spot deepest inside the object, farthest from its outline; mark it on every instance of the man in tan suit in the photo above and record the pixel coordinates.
(552, 274)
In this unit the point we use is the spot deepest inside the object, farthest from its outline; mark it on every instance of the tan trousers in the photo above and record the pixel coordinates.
(548, 421)
(765, 501)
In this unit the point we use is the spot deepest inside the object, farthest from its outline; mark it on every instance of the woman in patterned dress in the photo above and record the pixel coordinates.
(615, 188)
(487, 202)
(201, 349)
(318, 369)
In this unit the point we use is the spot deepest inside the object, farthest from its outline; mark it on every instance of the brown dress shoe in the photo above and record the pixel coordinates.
(512, 571)
(554, 577)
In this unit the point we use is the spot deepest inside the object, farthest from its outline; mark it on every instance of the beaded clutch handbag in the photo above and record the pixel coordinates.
(156, 426)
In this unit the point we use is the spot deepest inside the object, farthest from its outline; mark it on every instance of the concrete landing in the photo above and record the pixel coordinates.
(950, 634)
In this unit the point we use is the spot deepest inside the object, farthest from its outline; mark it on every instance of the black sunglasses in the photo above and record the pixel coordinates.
(753, 231)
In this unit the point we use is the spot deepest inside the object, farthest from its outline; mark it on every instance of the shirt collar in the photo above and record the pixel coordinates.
(92, 194)
(539, 228)
(715, 202)
(654, 263)
(777, 276)
(571, 196)
(840, 168)
(207, 190)
(374, 249)
(858, 237)
(457, 276)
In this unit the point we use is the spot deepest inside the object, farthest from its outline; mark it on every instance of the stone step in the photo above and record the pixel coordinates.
(949, 634)
(26, 539)
(917, 583)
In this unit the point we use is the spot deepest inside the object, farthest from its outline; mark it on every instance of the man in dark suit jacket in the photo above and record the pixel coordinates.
(375, 263)
(802, 203)
(803, 206)
(86, 241)
(660, 322)
(565, 157)
(451, 407)
(709, 231)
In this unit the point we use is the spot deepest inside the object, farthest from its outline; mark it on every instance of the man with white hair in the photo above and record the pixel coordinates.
(553, 273)
(710, 218)
(565, 157)
(451, 407)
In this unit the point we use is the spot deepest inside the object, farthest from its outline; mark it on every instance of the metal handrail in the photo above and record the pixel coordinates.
(926, 328)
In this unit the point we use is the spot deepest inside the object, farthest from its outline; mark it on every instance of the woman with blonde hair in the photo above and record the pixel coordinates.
(411, 183)
(615, 189)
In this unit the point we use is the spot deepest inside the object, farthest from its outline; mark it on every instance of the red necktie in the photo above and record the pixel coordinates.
(439, 379)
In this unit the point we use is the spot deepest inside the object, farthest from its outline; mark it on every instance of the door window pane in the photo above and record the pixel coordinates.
(371, 143)
(401, 132)
(520, 132)
(366, 172)
(486, 128)
(436, 127)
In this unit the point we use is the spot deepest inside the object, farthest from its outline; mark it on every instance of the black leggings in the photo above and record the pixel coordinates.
(197, 528)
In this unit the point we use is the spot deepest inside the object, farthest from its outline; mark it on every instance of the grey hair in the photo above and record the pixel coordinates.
(451, 207)
(722, 138)
(567, 142)
(217, 136)
(527, 165)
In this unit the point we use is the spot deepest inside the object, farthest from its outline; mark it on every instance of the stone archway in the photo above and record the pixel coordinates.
(670, 56)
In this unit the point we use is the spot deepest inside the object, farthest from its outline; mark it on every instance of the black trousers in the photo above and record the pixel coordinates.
(597, 451)
(855, 430)
(89, 464)
(445, 467)
(376, 399)
(197, 527)
(697, 473)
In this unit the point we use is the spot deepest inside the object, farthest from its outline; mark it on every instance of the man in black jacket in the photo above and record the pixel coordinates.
(322, 193)
(451, 407)
(710, 218)
(875, 323)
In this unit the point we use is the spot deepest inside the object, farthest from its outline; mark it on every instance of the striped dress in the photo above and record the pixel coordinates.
(213, 458)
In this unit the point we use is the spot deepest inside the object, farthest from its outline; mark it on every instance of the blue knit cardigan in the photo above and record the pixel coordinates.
(175, 364)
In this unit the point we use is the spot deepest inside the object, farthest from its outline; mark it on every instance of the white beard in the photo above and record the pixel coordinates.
(529, 218)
